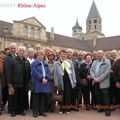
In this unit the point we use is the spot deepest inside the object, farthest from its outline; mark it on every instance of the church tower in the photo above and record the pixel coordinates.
(76, 30)
(94, 23)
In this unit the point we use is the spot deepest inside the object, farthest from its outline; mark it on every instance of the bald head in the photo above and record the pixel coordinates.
(69, 53)
(113, 54)
(100, 54)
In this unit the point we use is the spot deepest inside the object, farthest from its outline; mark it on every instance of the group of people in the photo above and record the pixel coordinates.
(30, 78)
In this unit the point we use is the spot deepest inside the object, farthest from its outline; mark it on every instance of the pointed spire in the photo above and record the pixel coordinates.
(93, 13)
(77, 26)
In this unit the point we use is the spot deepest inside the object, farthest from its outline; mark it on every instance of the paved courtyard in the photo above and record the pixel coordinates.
(81, 115)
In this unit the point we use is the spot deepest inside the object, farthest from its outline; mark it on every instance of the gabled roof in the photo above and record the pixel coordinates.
(4, 24)
(93, 13)
(31, 18)
(69, 42)
(107, 43)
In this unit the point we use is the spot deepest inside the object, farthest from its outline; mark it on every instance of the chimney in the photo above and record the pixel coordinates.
(5, 29)
(52, 33)
(94, 40)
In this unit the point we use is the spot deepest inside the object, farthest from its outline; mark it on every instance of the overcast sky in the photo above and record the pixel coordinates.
(62, 14)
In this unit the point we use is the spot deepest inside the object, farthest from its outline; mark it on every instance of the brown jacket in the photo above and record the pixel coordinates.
(2, 74)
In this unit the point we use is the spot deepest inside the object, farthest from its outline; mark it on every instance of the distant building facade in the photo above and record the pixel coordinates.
(30, 31)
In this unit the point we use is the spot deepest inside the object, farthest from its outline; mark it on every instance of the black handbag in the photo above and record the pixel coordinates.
(57, 97)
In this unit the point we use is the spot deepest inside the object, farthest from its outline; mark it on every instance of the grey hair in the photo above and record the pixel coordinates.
(23, 47)
(12, 44)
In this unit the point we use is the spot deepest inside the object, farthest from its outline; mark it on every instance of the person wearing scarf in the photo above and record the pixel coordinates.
(64, 81)
(86, 81)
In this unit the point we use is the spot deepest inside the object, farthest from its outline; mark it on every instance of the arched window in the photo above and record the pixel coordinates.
(32, 32)
(95, 21)
(39, 33)
(89, 27)
(95, 27)
(26, 31)
(75, 31)
(89, 21)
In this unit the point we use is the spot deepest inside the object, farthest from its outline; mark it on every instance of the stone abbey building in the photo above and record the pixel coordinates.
(31, 31)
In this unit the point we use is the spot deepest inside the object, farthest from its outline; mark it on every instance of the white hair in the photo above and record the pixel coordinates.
(13, 44)
(22, 47)
(31, 49)
(69, 50)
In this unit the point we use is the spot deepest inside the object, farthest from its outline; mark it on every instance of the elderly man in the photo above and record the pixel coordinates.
(100, 72)
(10, 55)
(30, 58)
(113, 89)
(19, 71)
(74, 64)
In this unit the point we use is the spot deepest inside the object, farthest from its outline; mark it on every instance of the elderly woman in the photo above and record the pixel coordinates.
(51, 59)
(40, 77)
(64, 80)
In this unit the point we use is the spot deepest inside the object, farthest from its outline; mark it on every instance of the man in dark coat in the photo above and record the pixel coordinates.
(19, 73)
(7, 61)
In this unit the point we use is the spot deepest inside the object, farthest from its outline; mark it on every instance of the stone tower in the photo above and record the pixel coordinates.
(94, 23)
(76, 30)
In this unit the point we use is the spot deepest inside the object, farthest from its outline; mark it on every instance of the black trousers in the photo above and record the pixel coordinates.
(18, 100)
(4, 95)
(74, 97)
(113, 93)
(26, 100)
(85, 90)
(102, 96)
(117, 96)
(38, 103)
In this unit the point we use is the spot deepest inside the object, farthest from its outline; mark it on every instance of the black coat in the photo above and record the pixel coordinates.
(116, 71)
(7, 67)
(84, 71)
(19, 72)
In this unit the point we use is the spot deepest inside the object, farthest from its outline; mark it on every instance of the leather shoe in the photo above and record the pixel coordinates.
(43, 114)
(101, 110)
(35, 115)
(13, 114)
(22, 113)
(107, 113)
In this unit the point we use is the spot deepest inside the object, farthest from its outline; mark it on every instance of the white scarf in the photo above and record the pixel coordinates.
(66, 65)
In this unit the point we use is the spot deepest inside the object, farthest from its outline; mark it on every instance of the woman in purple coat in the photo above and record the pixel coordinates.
(40, 78)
